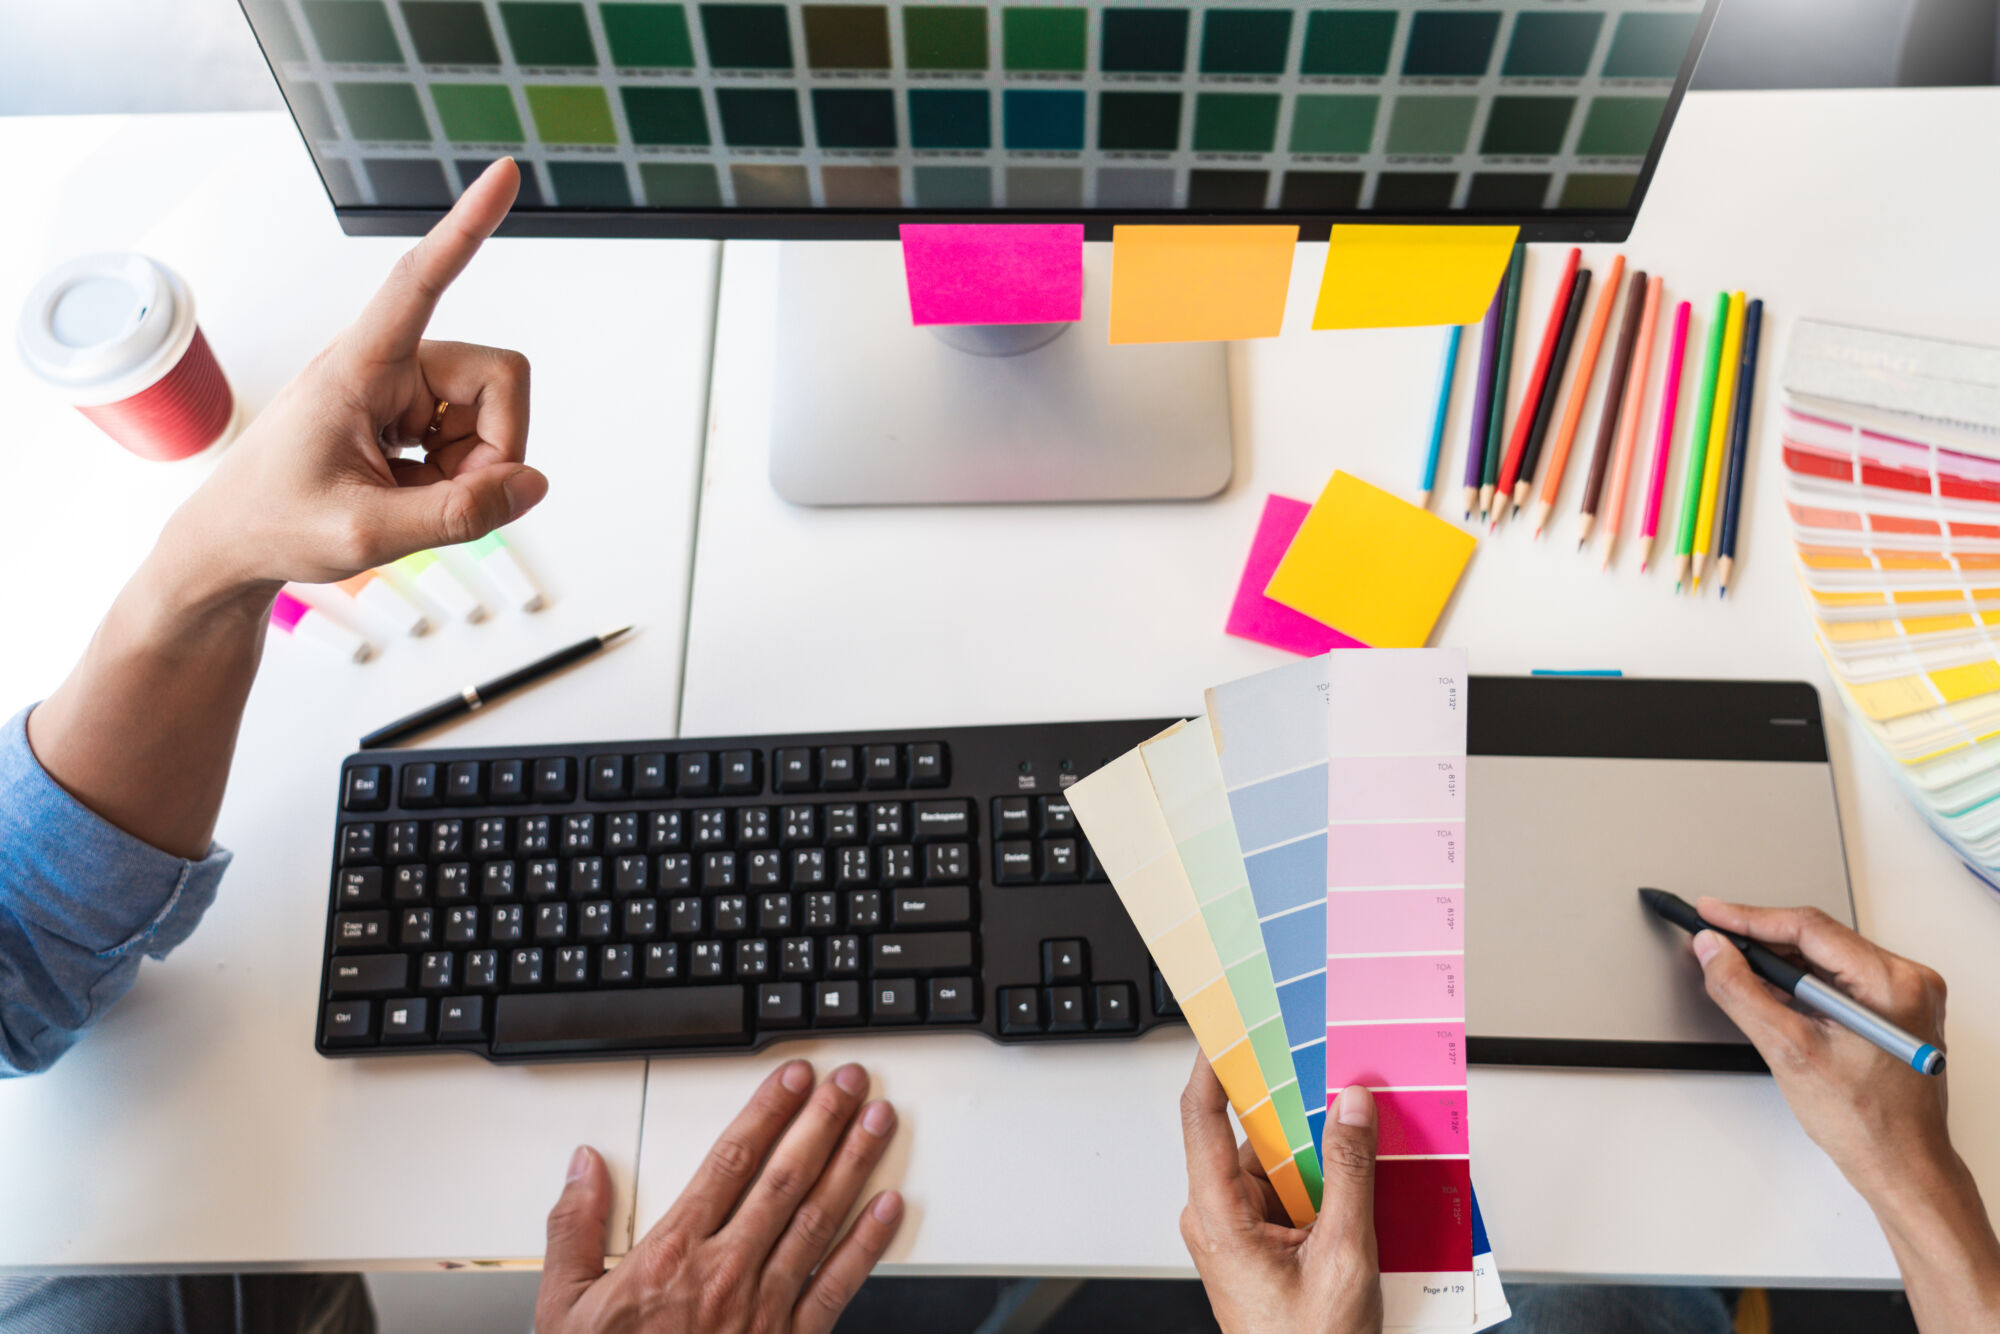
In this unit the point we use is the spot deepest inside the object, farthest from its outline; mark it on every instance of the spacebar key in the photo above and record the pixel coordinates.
(619, 1020)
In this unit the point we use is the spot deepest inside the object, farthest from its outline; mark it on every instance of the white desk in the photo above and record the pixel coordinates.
(1057, 1161)
(196, 1126)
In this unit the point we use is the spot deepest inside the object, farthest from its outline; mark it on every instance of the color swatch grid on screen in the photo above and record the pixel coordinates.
(1393, 105)
(1395, 957)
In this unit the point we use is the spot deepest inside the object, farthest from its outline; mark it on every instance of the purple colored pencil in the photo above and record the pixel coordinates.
(1482, 402)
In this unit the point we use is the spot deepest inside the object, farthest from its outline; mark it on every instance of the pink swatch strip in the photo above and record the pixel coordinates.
(1255, 617)
(1421, 1121)
(1025, 273)
(1389, 787)
(1396, 921)
(1394, 854)
(1426, 985)
(1390, 1055)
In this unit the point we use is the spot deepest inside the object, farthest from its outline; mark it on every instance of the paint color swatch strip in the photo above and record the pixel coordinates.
(1395, 958)
(1187, 780)
(1272, 748)
(1122, 818)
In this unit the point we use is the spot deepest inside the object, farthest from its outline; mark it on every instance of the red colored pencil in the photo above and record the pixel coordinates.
(1524, 418)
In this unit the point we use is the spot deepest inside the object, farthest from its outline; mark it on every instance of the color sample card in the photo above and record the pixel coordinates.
(1256, 617)
(1382, 276)
(1122, 818)
(1187, 780)
(1007, 274)
(1199, 284)
(1372, 565)
(1395, 958)
(1273, 756)
(1403, 107)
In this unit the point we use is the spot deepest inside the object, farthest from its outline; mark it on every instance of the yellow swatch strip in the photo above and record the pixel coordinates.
(1122, 818)
(1378, 277)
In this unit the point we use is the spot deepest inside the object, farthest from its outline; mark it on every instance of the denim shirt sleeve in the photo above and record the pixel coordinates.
(80, 902)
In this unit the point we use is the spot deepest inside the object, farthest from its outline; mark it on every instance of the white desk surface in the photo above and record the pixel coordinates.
(1845, 205)
(196, 1126)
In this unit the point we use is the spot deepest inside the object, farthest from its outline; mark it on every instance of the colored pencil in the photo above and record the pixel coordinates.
(1613, 514)
(1482, 400)
(1614, 397)
(1670, 399)
(1551, 388)
(1503, 372)
(1739, 447)
(1718, 438)
(1444, 405)
(1524, 416)
(1586, 366)
(1697, 450)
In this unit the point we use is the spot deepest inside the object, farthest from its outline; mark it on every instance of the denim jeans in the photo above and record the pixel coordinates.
(1562, 1308)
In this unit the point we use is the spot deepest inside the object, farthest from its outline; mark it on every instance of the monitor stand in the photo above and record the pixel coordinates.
(869, 409)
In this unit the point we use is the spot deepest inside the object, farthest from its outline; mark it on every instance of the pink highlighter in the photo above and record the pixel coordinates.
(300, 621)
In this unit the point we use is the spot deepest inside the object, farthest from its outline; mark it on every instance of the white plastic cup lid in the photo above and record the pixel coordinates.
(97, 319)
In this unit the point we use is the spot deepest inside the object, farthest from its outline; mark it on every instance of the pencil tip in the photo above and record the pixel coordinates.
(1677, 588)
(619, 633)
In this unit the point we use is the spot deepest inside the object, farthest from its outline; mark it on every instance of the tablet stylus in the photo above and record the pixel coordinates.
(1806, 989)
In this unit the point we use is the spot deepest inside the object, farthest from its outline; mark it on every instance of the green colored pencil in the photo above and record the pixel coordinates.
(1697, 446)
(1489, 480)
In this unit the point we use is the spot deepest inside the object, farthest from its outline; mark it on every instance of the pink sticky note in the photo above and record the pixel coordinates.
(1392, 1055)
(993, 274)
(1420, 1122)
(1256, 617)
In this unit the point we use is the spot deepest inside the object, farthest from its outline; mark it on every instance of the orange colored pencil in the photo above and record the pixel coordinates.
(1552, 476)
(1628, 427)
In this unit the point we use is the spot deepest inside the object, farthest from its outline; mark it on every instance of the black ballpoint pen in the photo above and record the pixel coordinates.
(478, 697)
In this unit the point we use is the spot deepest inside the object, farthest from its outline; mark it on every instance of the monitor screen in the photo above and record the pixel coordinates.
(747, 117)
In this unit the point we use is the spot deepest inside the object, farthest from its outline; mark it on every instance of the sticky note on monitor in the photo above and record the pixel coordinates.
(1256, 617)
(1372, 565)
(1001, 274)
(1377, 277)
(1191, 284)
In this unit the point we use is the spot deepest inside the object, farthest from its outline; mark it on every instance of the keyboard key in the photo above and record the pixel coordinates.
(360, 931)
(864, 910)
(893, 1001)
(694, 774)
(447, 838)
(732, 915)
(642, 919)
(1163, 998)
(684, 917)
(360, 886)
(1020, 1010)
(1013, 817)
(953, 1000)
(663, 962)
(420, 786)
(537, 836)
(594, 919)
(608, 780)
(411, 885)
(839, 771)
(406, 841)
(764, 870)
(899, 865)
(950, 906)
(780, 1005)
(774, 914)
(740, 774)
(621, 832)
(579, 834)
(947, 863)
(928, 766)
(348, 1024)
(357, 844)
(1066, 1010)
(544, 879)
(1058, 820)
(651, 775)
(524, 968)
(711, 829)
(753, 959)
(843, 955)
(508, 782)
(482, 970)
(1014, 862)
(1063, 961)
(555, 779)
(881, 766)
(366, 788)
(496, 881)
(753, 827)
(1113, 1003)
(796, 957)
(856, 867)
(923, 952)
(368, 974)
(665, 829)
(629, 875)
(489, 836)
(798, 826)
(552, 921)
(618, 1020)
(417, 928)
(465, 783)
(1060, 862)
(943, 820)
(792, 770)
(705, 959)
(506, 924)
(718, 871)
(586, 877)
(461, 926)
(885, 822)
(573, 966)
(435, 974)
(808, 868)
(822, 912)
(843, 823)
(676, 871)
(462, 1019)
(837, 1004)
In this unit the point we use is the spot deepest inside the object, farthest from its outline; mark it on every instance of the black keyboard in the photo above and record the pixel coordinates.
(661, 897)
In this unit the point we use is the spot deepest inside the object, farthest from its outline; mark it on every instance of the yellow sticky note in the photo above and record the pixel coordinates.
(1372, 565)
(1377, 277)
(1195, 284)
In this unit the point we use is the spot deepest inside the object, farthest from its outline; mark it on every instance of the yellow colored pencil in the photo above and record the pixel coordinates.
(1718, 434)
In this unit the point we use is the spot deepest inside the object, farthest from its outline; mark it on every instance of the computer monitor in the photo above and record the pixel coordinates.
(820, 120)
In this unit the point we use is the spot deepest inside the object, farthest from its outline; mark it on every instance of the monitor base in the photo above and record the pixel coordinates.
(872, 410)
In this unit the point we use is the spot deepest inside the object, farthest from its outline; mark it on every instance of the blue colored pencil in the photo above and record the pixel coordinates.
(1444, 405)
(1739, 446)
(1482, 401)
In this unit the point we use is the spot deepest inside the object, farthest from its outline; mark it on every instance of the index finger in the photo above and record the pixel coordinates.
(733, 1160)
(1859, 965)
(1211, 1148)
(393, 322)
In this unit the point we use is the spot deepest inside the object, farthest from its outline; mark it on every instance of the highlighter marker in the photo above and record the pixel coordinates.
(435, 581)
(498, 563)
(300, 621)
(385, 600)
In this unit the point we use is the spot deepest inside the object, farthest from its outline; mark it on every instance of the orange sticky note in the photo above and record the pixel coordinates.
(1193, 284)
(1377, 277)
(1372, 565)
